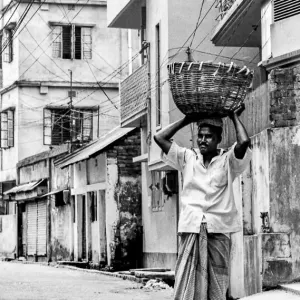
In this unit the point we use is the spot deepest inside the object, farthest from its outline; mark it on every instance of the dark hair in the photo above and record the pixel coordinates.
(216, 129)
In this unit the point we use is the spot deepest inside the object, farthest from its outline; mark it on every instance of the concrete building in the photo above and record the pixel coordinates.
(270, 242)
(91, 211)
(41, 105)
(106, 196)
(167, 29)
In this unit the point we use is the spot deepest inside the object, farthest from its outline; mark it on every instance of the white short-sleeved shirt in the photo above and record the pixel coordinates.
(207, 192)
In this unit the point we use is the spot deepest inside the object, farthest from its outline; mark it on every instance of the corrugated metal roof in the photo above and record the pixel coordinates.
(97, 146)
(24, 187)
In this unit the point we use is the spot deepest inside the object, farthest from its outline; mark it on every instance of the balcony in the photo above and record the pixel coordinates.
(134, 93)
(239, 23)
(124, 13)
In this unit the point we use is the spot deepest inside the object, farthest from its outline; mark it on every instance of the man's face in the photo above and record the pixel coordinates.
(207, 141)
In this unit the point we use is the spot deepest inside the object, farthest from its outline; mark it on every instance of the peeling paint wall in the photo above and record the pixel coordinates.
(8, 236)
(284, 195)
(61, 232)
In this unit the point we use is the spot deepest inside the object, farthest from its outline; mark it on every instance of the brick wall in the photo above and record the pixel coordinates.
(124, 150)
(284, 87)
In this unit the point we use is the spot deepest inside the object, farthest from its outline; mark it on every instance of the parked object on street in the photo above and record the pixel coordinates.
(208, 88)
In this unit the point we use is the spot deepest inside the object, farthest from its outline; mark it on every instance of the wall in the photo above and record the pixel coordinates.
(123, 203)
(34, 172)
(160, 228)
(285, 30)
(8, 236)
(284, 94)
(284, 206)
(61, 231)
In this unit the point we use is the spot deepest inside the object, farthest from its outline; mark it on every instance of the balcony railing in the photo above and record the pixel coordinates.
(134, 94)
(224, 6)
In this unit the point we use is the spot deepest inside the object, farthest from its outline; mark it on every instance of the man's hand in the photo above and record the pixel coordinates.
(237, 111)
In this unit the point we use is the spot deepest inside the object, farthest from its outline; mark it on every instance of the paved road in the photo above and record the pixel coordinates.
(36, 282)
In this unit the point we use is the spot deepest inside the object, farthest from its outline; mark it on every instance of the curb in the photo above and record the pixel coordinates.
(56, 265)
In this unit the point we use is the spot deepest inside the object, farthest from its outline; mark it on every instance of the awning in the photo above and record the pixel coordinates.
(52, 193)
(27, 191)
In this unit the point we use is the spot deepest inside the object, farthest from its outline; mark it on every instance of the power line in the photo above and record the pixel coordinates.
(197, 23)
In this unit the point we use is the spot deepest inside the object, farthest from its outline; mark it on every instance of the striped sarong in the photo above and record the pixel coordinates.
(202, 268)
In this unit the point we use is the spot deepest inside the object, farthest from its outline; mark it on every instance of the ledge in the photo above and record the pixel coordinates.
(279, 61)
(141, 158)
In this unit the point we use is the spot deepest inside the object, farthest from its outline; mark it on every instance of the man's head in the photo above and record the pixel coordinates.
(209, 135)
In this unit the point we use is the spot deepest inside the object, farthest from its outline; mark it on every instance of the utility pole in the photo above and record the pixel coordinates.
(71, 110)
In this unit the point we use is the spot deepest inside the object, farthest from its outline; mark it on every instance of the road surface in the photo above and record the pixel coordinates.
(38, 282)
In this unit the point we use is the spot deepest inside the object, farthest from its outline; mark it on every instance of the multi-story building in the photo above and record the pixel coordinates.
(270, 189)
(167, 29)
(42, 105)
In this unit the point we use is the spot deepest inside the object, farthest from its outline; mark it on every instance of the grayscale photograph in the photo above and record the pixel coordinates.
(149, 150)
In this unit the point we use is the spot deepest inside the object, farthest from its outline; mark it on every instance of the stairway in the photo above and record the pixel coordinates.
(285, 292)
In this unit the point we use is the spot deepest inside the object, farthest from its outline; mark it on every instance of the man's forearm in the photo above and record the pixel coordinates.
(242, 138)
(162, 138)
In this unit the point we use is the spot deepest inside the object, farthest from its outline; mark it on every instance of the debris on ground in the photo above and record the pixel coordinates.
(156, 284)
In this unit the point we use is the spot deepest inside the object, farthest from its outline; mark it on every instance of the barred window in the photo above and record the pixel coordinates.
(72, 42)
(7, 129)
(64, 125)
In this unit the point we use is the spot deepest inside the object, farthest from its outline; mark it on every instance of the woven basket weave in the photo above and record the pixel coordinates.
(207, 88)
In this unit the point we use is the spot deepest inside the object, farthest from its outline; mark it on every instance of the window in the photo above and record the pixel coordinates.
(7, 129)
(72, 42)
(158, 84)
(93, 197)
(8, 44)
(64, 125)
(158, 198)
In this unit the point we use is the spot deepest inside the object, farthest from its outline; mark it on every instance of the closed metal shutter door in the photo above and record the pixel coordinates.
(41, 228)
(31, 227)
(24, 232)
(284, 9)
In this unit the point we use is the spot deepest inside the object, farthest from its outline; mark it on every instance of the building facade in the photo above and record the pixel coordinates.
(167, 30)
(61, 67)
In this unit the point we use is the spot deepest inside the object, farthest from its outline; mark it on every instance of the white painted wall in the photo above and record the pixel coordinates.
(266, 21)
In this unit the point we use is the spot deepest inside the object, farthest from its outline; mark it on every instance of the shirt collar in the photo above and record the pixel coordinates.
(200, 156)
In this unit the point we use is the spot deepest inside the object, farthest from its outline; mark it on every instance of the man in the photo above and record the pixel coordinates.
(208, 212)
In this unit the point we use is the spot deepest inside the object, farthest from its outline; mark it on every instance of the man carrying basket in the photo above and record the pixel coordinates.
(208, 212)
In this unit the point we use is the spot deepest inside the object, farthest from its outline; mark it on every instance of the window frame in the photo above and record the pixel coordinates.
(86, 41)
(158, 75)
(80, 116)
(7, 131)
(9, 49)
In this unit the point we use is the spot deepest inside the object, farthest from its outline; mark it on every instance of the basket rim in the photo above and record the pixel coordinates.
(206, 64)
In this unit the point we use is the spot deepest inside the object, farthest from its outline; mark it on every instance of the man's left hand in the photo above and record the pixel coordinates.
(237, 111)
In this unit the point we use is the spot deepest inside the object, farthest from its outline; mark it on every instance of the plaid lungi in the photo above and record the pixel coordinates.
(202, 268)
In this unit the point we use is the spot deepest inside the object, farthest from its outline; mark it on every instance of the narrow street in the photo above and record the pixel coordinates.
(36, 282)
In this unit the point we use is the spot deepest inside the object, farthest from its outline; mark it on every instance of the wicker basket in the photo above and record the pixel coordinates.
(207, 88)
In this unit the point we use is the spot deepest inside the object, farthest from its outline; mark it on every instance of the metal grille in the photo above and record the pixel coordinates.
(134, 93)
(284, 9)
(86, 42)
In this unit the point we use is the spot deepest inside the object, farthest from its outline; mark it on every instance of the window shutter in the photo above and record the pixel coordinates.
(10, 129)
(67, 42)
(4, 130)
(86, 42)
(5, 45)
(87, 125)
(47, 127)
(77, 43)
(57, 42)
